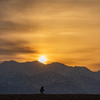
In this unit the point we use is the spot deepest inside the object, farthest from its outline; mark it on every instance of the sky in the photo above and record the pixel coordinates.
(65, 31)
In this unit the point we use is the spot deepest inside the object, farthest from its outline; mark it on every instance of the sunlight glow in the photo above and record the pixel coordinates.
(42, 59)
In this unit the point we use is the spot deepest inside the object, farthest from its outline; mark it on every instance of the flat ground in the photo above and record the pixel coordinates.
(49, 97)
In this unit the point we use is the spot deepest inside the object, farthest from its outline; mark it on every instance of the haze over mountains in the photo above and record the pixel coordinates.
(57, 78)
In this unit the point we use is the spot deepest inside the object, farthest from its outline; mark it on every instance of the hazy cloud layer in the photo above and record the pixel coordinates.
(19, 28)
(15, 48)
(21, 16)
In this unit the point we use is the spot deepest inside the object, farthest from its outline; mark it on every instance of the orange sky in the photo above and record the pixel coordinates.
(65, 31)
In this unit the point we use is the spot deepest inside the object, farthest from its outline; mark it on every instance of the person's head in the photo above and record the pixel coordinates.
(43, 86)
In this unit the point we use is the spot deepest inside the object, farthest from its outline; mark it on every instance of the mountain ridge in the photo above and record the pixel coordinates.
(55, 77)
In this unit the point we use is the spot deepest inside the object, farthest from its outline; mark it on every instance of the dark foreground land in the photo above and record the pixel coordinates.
(49, 97)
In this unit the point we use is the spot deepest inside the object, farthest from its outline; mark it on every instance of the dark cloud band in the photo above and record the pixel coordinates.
(14, 48)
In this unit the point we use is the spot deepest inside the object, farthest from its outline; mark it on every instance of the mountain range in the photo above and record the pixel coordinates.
(57, 78)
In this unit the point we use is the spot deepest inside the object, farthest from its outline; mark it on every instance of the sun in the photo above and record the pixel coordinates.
(42, 59)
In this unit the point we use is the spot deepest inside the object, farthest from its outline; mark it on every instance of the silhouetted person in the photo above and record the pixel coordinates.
(42, 90)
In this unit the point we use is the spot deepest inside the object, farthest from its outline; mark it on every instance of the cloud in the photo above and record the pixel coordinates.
(94, 66)
(84, 50)
(15, 48)
(19, 16)
(13, 17)
(22, 27)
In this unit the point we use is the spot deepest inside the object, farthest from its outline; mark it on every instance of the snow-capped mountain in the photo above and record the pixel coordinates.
(57, 78)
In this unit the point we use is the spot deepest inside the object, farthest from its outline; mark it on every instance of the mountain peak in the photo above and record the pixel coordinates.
(57, 63)
(11, 61)
(35, 62)
(81, 67)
